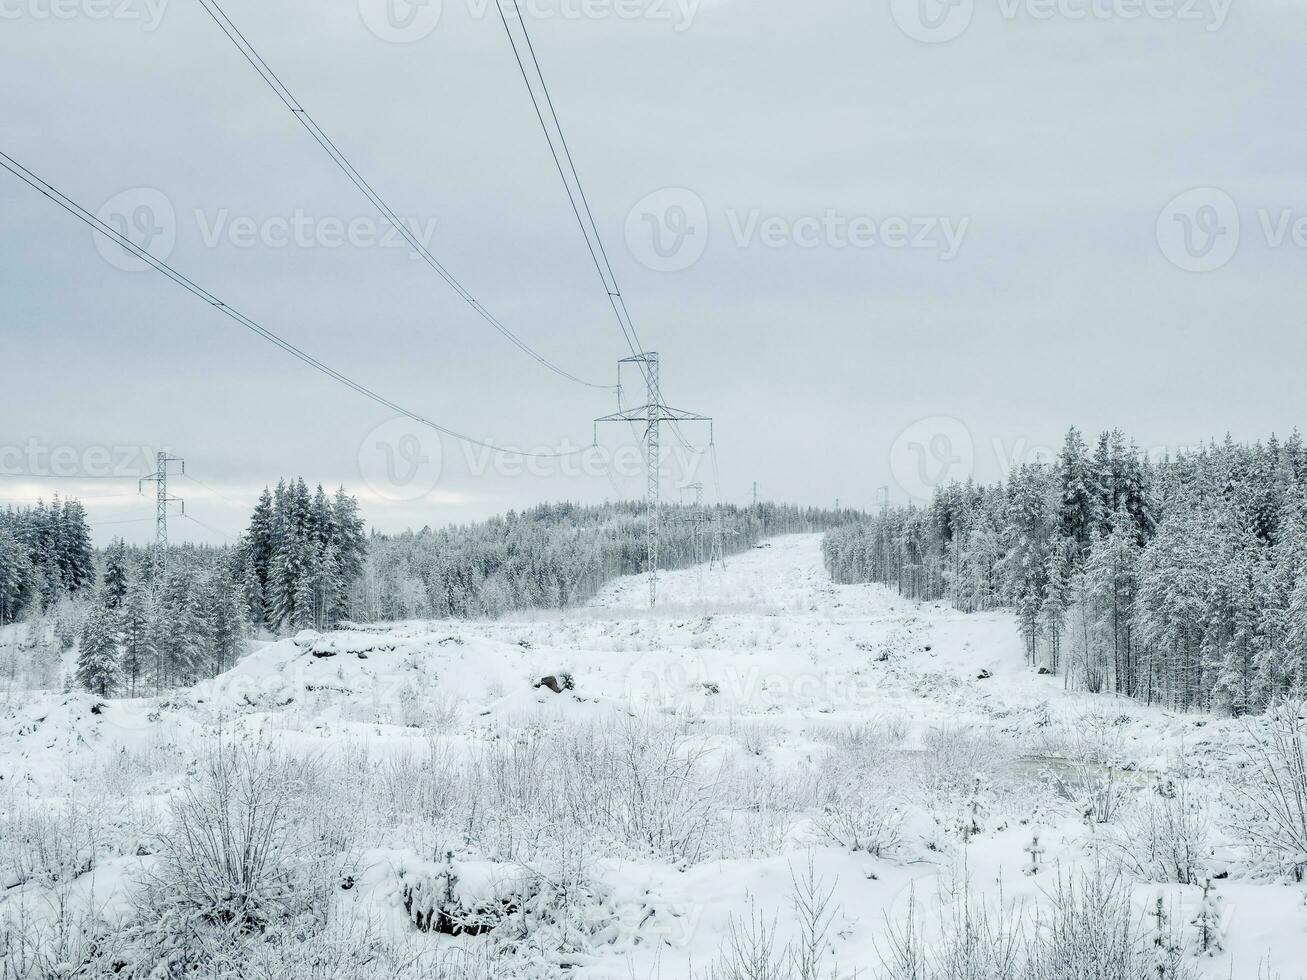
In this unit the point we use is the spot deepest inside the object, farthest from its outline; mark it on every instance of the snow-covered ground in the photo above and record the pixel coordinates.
(763, 729)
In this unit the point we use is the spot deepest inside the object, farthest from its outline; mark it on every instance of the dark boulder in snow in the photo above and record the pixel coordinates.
(985, 674)
(558, 683)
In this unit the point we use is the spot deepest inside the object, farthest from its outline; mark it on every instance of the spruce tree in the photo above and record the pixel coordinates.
(98, 668)
(116, 575)
(135, 630)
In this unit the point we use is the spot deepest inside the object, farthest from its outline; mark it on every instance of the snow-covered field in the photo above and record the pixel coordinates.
(771, 767)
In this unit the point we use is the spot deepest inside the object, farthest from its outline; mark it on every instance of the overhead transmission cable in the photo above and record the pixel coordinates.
(79, 212)
(589, 228)
(61, 476)
(217, 493)
(210, 528)
(593, 240)
(270, 77)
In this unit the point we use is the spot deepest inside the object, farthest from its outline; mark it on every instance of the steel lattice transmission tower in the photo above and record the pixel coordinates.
(717, 556)
(697, 519)
(160, 479)
(653, 413)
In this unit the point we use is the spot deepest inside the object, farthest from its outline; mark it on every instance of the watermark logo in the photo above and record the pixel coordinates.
(667, 231)
(932, 21)
(303, 230)
(833, 230)
(401, 21)
(42, 460)
(146, 218)
(401, 460)
(930, 453)
(147, 13)
(1199, 230)
(1202, 229)
(940, 21)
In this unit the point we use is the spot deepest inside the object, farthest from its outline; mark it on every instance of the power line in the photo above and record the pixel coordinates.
(209, 527)
(58, 476)
(599, 254)
(79, 212)
(589, 228)
(279, 88)
(215, 492)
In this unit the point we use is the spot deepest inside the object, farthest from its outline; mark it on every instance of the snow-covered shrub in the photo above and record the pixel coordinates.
(958, 772)
(756, 737)
(860, 798)
(1091, 750)
(462, 898)
(751, 951)
(1164, 833)
(550, 909)
(875, 734)
(1088, 929)
(1207, 925)
(236, 863)
(643, 783)
(425, 785)
(46, 843)
(1270, 811)
(765, 802)
(58, 942)
(1036, 850)
(1084, 927)
(966, 941)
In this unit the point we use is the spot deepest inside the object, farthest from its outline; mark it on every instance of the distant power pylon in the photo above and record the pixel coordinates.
(883, 493)
(717, 554)
(696, 520)
(160, 479)
(652, 413)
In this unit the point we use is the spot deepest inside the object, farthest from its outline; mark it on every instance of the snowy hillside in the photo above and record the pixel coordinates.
(765, 738)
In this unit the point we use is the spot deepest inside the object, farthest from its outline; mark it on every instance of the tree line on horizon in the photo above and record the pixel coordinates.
(305, 562)
(1182, 581)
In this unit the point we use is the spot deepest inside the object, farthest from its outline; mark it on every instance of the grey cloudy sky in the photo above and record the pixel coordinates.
(879, 242)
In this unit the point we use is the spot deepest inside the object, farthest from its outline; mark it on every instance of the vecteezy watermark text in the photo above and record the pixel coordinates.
(1202, 229)
(409, 21)
(940, 21)
(831, 229)
(39, 459)
(146, 218)
(669, 230)
(403, 460)
(939, 450)
(147, 13)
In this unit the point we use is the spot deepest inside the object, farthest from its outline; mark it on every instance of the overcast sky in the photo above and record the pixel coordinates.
(880, 243)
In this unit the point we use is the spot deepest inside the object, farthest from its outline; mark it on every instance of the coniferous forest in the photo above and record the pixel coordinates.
(1182, 582)
(140, 626)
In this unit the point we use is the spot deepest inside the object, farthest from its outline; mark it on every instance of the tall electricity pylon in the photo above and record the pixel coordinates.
(652, 414)
(160, 479)
(696, 520)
